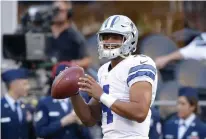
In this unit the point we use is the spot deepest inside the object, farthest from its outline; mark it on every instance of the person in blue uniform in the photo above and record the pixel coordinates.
(55, 118)
(14, 121)
(185, 124)
(30, 116)
(155, 124)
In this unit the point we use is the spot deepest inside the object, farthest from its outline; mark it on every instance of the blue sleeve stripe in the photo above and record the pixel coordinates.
(145, 66)
(141, 73)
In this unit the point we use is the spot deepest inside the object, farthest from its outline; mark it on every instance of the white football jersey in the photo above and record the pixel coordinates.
(117, 83)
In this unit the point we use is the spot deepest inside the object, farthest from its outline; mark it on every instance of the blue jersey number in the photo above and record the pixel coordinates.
(105, 108)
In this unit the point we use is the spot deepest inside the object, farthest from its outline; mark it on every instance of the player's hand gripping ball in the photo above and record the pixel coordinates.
(66, 83)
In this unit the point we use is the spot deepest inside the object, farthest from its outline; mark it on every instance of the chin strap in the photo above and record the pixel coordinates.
(123, 56)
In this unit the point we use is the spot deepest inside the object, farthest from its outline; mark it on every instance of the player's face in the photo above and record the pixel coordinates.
(184, 109)
(112, 41)
(21, 87)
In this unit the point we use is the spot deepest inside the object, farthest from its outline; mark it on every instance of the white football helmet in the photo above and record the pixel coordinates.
(118, 24)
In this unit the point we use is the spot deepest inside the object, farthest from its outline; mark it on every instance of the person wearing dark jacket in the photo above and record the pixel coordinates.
(186, 123)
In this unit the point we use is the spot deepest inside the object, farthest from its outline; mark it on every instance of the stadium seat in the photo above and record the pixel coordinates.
(159, 85)
(191, 73)
(156, 45)
(169, 92)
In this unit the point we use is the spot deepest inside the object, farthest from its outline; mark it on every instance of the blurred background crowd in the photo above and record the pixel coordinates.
(40, 38)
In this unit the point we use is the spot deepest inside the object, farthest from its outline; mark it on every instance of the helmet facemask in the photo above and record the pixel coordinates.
(112, 50)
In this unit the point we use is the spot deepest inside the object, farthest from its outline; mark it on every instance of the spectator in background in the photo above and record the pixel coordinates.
(194, 50)
(30, 116)
(155, 124)
(55, 118)
(186, 123)
(14, 117)
(68, 43)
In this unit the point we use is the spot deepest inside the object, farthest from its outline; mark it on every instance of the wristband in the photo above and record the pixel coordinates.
(107, 100)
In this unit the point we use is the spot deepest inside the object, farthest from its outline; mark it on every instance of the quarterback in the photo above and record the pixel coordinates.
(126, 86)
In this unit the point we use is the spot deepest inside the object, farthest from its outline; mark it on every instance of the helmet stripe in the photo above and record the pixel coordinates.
(113, 21)
(106, 22)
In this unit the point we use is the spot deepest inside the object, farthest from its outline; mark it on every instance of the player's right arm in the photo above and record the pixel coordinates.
(89, 113)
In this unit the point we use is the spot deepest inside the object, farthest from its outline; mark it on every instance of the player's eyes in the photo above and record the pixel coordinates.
(117, 37)
(105, 37)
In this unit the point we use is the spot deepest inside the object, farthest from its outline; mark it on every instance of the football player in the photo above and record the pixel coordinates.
(126, 86)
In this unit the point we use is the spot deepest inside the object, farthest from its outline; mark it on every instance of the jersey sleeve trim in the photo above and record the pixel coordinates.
(144, 72)
(143, 78)
(141, 67)
(138, 74)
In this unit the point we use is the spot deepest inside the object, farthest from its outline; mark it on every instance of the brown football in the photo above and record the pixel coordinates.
(66, 83)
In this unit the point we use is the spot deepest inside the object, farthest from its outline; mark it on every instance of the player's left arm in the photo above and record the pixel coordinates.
(139, 105)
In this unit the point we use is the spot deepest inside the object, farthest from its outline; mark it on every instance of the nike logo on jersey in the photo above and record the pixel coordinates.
(142, 62)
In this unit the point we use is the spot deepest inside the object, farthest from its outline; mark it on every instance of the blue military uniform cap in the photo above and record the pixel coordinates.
(188, 92)
(15, 74)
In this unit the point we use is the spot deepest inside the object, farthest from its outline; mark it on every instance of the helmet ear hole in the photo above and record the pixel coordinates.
(133, 34)
(134, 49)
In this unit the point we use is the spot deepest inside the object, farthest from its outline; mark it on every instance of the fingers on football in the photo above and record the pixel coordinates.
(85, 80)
(84, 85)
(90, 77)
